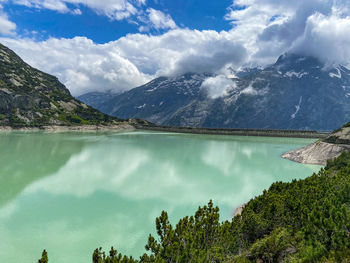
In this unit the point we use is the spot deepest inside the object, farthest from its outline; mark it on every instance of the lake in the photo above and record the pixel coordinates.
(73, 192)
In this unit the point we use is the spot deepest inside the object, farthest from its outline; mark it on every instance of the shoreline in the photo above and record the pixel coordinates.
(307, 134)
(239, 132)
(322, 151)
(82, 128)
(317, 153)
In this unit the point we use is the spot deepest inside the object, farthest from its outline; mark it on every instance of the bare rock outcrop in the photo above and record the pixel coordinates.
(321, 151)
(239, 210)
(316, 153)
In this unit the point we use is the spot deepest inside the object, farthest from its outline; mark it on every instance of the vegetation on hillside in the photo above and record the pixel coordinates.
(31, 98)
(302, 221)
(44, 257)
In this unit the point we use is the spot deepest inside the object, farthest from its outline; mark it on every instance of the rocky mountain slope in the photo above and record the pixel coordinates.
(295, 93)
(31, 98)
(96, 99)
(323, 150)
(158, 101)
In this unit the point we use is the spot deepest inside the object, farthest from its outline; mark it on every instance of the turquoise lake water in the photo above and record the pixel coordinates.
(73, 192)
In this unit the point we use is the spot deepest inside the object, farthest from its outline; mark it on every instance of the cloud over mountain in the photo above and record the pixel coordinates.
(130, 61)
(261, 31)
(313, 27)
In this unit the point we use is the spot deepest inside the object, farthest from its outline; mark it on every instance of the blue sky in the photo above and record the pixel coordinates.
(41, 23)
(116, 45)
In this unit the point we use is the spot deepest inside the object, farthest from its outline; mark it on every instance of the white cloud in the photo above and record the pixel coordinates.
(326, 37)
(130, 61)
(80, 64)
(141, 2)
(132, 10)
(250, 90)
(6, 26)
(159, 20)
(218, 86)
(77, 11)
(114, 9)
(263, 30)
(272, 27)
(56, 5)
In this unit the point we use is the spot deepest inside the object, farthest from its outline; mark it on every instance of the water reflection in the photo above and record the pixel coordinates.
(27, 157)
(103, 190)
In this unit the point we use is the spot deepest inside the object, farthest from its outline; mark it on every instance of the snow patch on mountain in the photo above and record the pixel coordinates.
(151, 90)
(301, 59)
(336, 75)
(142, 106)
(346, 69)
(298, 75)
(285, 95)
(347, 91)
(185, 84)
(297, 108)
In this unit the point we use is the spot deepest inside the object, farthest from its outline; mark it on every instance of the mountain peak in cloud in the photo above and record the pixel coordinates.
(261, 31)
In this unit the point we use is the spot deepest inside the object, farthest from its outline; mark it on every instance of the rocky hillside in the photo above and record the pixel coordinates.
(29, 97)
(97, 99)
(295, 93)
(323, 150)
(158, 101)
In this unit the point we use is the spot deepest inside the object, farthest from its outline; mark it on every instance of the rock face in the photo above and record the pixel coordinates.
(316, 153)
(160, 100)
(295, 93)
(321, 151)
(239, 210)
(31, 98)
(96, 99)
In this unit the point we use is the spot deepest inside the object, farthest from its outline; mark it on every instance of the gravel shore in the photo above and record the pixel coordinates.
(82, 128)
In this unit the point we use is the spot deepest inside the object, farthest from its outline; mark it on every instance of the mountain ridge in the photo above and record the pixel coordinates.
(296, 92)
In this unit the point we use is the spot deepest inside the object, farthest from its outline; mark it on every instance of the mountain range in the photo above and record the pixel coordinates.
(296, 92)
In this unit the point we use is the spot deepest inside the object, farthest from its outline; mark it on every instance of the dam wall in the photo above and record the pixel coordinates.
(239, 132)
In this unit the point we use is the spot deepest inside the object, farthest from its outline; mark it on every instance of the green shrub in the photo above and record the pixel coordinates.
(44, 257)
